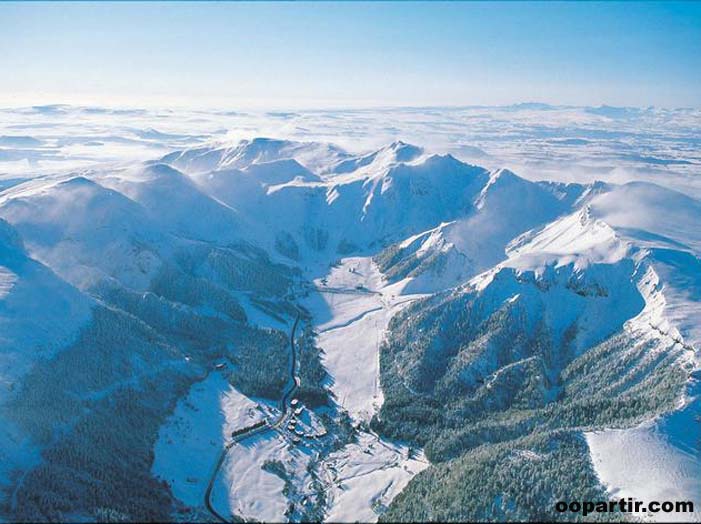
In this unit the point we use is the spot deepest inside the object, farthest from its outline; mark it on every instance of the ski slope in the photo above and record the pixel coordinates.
(658, 461)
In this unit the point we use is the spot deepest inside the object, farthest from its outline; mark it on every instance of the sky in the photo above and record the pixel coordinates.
(350, 54)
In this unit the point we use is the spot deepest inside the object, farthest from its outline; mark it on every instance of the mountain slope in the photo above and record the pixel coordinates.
(571, 327)
(505, 207)
(40, 315)
(360, 202)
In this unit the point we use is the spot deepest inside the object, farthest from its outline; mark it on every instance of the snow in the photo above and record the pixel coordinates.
(657, 230)
(366, 476)
(39, 313)
(193, 436)
(83, 230)
(191, 440)
(371, 471)
(505, 207)
(538, 142)
(352, 360)
(577, 239)
(351, 323)
(175, 203)
(257, 317)
(680, 314)
(598, 242)
(256, 151)
(351, 310)
(244, 489)
(652, 215)
(666, 226)
(7, 281)
(657, 461)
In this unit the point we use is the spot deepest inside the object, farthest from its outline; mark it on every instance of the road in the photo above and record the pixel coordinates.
(287, 396)
(294, 384)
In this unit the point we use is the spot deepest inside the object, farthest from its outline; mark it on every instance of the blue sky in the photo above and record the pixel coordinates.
(351, 54)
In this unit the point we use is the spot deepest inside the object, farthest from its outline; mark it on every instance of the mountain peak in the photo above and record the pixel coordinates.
(404, 152)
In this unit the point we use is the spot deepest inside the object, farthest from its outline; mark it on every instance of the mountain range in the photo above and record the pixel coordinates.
(456, 322)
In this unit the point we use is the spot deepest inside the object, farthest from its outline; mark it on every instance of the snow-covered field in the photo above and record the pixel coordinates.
(192, 438)
(351, 311)
(353, 308)
(245, 489)
(365, 477)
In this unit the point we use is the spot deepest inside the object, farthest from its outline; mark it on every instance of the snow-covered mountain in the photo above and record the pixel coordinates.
(443, 306)
(316, 156)
(347, 206)
(581, 314)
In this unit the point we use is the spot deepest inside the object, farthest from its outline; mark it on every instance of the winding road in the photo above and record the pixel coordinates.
(257, 428)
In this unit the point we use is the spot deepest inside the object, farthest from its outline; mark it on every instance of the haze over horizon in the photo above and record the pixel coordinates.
(387, 54)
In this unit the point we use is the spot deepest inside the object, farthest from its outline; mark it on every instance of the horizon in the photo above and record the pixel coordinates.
(537, 141)
(253, 108)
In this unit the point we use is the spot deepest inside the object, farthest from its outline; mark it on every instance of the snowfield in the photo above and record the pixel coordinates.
(657, 461)
(535, 140)
(366, 476)
(360, 479)
(192, 438)
(246, 490)
(351, 309)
